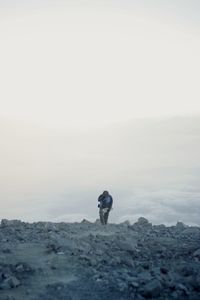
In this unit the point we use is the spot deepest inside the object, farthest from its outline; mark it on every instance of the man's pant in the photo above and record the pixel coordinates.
(104, 213)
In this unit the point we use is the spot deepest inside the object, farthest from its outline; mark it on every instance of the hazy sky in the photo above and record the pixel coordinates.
(68, 68)
(84, 63)
(151, 167)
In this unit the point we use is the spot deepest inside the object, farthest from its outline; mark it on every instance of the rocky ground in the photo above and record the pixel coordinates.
(62, 261)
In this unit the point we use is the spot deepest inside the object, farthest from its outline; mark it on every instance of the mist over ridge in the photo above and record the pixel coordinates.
(151, 167)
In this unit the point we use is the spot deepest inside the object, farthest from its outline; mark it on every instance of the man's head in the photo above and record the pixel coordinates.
(105, 193)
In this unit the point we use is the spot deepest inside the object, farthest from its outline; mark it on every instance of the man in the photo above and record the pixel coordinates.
(105, 204)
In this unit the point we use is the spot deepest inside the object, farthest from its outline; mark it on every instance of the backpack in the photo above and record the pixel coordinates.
(107, 201)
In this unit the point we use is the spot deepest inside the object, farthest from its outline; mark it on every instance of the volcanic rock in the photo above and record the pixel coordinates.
(88, 261)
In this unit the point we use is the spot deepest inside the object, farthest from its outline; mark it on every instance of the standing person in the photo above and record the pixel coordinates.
(105, 204)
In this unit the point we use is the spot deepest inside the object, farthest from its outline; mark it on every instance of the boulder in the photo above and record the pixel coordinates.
(5, 222)
(142, 222)
(152, 289)
(97, 222)
(126, 223)
(181, 226)
(9, 283)
(84, 221)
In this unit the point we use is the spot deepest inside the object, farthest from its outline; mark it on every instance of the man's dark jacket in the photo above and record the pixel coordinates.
(105, 202)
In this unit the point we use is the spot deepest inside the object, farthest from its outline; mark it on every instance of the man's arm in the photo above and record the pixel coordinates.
(100, 198)
(111, 202)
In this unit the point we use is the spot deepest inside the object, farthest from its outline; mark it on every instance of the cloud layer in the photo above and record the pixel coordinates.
(151, 167)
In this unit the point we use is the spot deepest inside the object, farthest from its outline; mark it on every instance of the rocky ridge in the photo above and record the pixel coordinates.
(72, 261)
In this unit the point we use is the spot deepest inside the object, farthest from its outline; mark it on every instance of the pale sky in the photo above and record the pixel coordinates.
(88, 63)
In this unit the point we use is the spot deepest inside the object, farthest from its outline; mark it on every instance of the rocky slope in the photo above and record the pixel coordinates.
(64, 261)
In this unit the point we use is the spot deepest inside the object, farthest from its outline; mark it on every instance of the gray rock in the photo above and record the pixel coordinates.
(191, 231)
(133, 283)
(97, 222)
(14, 282)
(53, 248)
(129, 246)
(9, 283)
(164, 270)
(122, 286)
(152, 289)
(5, 222)
(181, 226)
(50, 226)
(197, 253)
(144, 277)
(94, 263)
(142, 221)
(84, 221)
(126, 223)
(183, 288)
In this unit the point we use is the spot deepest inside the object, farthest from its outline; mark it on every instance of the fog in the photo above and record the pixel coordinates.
(100, 95)
(150, 166)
